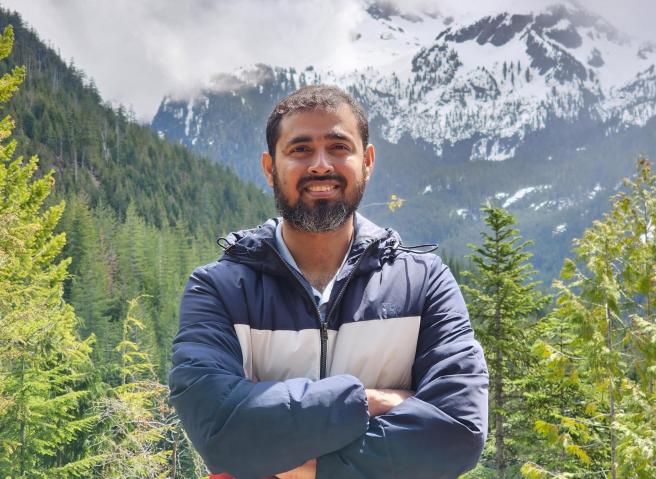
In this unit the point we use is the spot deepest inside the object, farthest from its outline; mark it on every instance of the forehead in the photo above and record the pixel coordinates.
(318, 122)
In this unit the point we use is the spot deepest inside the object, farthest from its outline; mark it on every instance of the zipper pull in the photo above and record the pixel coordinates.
(324, 348)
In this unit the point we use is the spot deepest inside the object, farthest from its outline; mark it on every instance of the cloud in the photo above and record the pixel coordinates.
(138, 51)
(634, 17)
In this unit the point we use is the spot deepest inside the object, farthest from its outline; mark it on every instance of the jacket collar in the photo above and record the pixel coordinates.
(256, 247)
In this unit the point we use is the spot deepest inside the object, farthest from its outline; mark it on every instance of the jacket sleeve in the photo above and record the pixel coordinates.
(247, 429)
(440, 432)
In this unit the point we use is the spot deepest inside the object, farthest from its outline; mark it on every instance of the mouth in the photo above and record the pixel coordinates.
(321, 187)
(321, 190)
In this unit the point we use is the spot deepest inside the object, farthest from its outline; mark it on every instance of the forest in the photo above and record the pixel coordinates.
(101, 223)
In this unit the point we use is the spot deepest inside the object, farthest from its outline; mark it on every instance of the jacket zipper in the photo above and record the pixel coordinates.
(324, 349)
(323, 324)
(324, 338)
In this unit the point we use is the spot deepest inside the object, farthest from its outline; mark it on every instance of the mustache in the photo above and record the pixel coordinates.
(307, 179)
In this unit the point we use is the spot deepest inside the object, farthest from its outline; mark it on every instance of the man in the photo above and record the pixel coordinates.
(318, 345)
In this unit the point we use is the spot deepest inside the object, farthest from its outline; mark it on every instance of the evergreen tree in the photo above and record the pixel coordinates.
(130, 446)
(43, 365)
(502, 300)
(606, 303)
(141, 437)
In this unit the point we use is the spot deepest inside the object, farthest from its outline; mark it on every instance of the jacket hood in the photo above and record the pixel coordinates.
(256, 247)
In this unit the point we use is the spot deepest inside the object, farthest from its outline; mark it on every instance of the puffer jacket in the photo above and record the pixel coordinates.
(262, 384)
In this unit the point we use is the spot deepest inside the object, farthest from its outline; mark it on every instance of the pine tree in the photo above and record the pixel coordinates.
(43, 365)
(502, 299)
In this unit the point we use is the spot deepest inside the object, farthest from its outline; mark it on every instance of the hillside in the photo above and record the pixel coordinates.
(140, 213)
(104, 153)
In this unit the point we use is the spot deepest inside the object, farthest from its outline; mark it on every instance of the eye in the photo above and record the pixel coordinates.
(300, 149)
(341, 146)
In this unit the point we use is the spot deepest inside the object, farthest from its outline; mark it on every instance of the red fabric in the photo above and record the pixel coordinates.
(228, 476)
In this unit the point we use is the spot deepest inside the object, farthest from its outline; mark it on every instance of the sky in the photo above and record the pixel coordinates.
(137, 51)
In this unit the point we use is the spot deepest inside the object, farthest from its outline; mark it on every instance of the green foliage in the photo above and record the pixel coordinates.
(61, 415)
(604, 323)
(141, 213)
(114, 261)
(43, 363)
(503, 301)
(133, 414)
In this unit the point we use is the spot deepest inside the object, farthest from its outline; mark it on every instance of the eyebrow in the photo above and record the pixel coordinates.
(333, 135)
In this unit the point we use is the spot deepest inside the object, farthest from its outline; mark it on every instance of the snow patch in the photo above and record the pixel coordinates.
(592, 193)
(539, 206)
(560, 229)
(190, 115)
(519, 194)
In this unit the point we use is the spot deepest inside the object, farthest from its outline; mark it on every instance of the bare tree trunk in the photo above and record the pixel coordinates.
(74, 152)
(55, 80)
(118, 141)
(176, 446)
(611, 398)
(23, 434)
(103, 139)
(648, 273)
(499, 437)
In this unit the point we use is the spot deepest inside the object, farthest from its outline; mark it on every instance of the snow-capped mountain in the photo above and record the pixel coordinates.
(464, 108)
(503, 76)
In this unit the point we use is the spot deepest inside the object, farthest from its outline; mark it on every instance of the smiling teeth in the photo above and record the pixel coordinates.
(321, 188)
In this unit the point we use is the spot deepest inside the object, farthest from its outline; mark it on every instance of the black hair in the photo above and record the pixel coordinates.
(314, 97)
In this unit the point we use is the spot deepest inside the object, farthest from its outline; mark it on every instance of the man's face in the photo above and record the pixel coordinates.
(320, 168)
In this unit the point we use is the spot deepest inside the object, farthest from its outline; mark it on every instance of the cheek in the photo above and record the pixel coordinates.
(287, 180)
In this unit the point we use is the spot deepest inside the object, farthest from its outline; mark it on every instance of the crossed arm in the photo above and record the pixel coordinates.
(438, 432)
(379, 401)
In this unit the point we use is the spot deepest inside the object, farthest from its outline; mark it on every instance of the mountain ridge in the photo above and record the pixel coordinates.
(515, 99)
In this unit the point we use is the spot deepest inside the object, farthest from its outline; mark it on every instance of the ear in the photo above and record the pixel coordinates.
(369, 160)
(267, 167)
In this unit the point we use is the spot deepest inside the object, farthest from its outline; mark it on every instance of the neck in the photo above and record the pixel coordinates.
(318, 254)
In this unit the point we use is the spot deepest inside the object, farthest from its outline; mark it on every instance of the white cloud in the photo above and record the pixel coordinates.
(137, 51)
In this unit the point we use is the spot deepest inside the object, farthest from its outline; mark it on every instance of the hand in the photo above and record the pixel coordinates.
(380, 401)
(306, 471)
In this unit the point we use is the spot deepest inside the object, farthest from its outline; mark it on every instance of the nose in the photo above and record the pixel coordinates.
(321, 163)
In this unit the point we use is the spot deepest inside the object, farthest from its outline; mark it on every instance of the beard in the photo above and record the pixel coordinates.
(324, 215)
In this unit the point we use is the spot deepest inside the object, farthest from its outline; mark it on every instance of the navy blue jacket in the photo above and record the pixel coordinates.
(261, 384)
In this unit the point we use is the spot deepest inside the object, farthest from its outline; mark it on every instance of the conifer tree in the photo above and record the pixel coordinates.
(606, 304)
(141, 437)
(43, 364)
(502, 299)
(130, 446)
